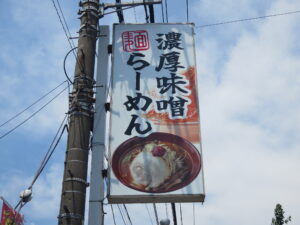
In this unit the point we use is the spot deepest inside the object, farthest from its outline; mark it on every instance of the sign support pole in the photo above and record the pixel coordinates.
(98, 142)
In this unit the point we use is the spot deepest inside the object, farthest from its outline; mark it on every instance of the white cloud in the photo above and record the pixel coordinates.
(250, 125)
(46, 197)
(32, 65)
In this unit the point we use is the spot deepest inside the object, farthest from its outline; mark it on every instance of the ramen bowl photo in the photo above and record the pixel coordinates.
(158, 163)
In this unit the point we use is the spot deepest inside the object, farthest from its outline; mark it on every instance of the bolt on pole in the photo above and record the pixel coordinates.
(72, 206)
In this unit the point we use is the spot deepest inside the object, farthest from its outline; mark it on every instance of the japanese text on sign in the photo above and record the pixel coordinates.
(172, 87)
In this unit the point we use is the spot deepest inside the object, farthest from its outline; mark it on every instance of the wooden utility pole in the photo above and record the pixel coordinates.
(81, 112)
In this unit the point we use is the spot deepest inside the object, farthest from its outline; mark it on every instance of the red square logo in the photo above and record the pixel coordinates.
(135, 40)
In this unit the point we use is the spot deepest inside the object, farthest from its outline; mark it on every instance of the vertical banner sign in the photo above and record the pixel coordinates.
(155, 145)
(9, 216)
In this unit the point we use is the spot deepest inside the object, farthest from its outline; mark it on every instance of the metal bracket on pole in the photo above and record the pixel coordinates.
(87, 27)
(88, 1)
(70, 215)
(74, 192)
(127, 4)
(104, 6)
(76, 179)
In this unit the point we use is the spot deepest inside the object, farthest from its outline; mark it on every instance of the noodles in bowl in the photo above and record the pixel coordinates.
(159, 163)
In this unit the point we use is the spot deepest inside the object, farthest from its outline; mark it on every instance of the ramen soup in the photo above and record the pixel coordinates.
(156, 166)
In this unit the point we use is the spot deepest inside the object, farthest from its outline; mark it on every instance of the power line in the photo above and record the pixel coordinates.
(50, 151)
(127, 214)
(19, 113)
(166, 8)
(247, 19)
(120, 12)
(162, 11)
(166, 206)
(181, 219)
(146, 12)
(66, 30)
(62, 24)
(123, 9)
(134, 13)
(194, 220)
(187, 10)
(46, 159)
(122, 214)
(149, 214)
(112, 210)
(33, 114)
(155, 212)
(151, 12)
(64, 64)
(65, 22)
(174, 213)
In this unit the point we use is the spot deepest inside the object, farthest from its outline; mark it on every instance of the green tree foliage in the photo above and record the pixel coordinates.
(279, 216)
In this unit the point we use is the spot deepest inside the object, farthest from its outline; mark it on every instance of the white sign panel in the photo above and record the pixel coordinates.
(155, 145)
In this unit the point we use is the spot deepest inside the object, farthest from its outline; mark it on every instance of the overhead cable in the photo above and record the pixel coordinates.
(113, 214)
(166, 8)
(181, 219)
(33, 114)
(64, 64)
(127, 214)
(166, 206)
(50, 150)
(248, 19)
(120, 12)
(62, 24)
(162, 11)
(68, 36)
(146, 12)
(151, 12)
(121, 214)
(129, 7)
(134, 12)
(38, 100)
(155, 212)
(174, 213)
(45, 160)
(194, 219)
(149, 214)
(187, 10)
(65, 22)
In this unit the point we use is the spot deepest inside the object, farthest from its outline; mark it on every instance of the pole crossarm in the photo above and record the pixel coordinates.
(128, 4)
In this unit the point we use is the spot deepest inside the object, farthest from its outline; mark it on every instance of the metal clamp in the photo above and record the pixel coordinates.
(87, 26)
(72, 191)
(77, 149)
(88, 1)
(86, 90)
(89, 8)
(70, 215)
(76, 113)
(77, 179)
(98, 143)
(84, 13)
(81, 109)
(83, 105)
(76, 161)
(84, 77)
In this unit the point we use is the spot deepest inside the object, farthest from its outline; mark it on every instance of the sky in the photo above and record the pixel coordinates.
(249, 89)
